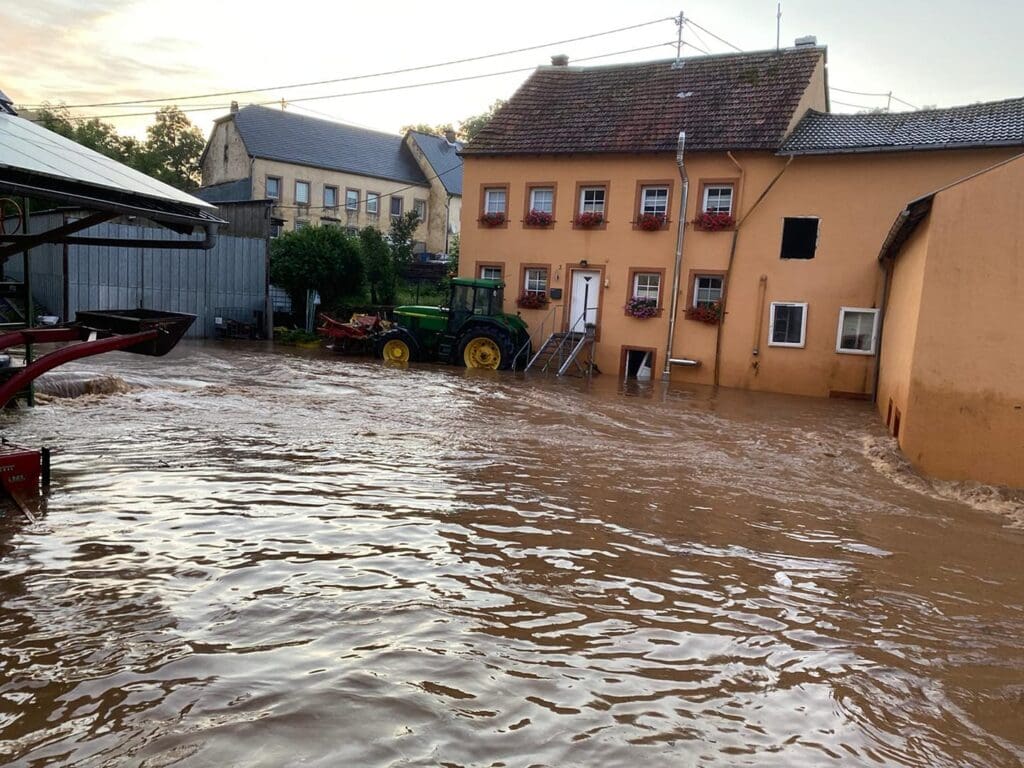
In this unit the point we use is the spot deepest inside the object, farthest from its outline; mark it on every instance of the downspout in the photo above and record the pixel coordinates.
(447, 221)
(677, 269)
(732, 258)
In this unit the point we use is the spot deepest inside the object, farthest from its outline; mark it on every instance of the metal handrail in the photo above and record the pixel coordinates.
(526, 344)
(587, 339)
(568, 335)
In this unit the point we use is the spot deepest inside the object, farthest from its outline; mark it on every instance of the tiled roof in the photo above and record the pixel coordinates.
(733, 101)
(443, 158)
(993, 124)
(273, 134)
(226, 192)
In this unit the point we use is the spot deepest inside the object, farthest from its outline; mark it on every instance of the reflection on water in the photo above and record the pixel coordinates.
(280, 559)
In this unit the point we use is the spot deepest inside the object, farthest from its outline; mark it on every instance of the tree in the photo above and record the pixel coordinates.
(471, 126)
(173, 148)
(378, 266)
(401, 236)
(436, 130)
(324, 259)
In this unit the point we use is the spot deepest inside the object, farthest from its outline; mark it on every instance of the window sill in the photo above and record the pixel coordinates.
(784, 345)
(859, 352)
(657, 313)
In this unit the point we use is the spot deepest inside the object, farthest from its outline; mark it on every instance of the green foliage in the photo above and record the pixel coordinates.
(453, 254)
(378, 266)
(294, 336)
(324, 259)
(170, 153)
(401, 236)
(471, 126)
(436, 130)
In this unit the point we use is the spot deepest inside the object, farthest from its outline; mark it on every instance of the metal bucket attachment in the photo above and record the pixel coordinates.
(121, 322)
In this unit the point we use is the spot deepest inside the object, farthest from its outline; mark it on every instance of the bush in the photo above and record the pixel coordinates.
(323, 259)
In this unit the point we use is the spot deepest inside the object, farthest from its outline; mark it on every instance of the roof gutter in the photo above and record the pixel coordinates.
(677, 269)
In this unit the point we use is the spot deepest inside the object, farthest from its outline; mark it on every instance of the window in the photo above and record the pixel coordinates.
(654, 200)
(788, 327)
(799, 238)
(397, 206)
(302, 193)
(329, 222)
(301, 224)
(420, 206)
(351, 199)
(592, 199)
(276, 227)
(535, 280)
(856, 334)
(718, 198)
(542, 199)
(274, 187)
(354, 231)
(707, 290)
(490, 273)
(372, 203)
(330, 197)
(647, 285)
(495, 199)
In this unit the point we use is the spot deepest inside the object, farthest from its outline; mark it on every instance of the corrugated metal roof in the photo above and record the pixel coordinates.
(443, 158)
(990, 124)
(272, 134)
(29, 148)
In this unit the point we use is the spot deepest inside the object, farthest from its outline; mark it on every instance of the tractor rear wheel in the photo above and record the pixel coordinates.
(397, 346)
(486, 348)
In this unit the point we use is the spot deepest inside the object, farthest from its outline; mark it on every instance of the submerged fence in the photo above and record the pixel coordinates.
(231, 277)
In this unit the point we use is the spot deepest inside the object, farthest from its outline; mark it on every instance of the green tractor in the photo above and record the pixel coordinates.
(472, 330)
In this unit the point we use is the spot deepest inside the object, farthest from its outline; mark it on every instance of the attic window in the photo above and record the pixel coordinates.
(799, 237)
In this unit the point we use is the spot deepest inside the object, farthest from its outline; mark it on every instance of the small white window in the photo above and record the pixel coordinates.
(372, 203)
(351, 199)
(788, 327)
(490, 273)
(592, 200)
(718, 198)
(542, 199)
(494, 200)
(654, 200)
(301, 224)
(535, 281)
(302, 193)
(420, 206)
(330, 197)
(647, 285)
(707, 290)
(856, 334)
(274, 187)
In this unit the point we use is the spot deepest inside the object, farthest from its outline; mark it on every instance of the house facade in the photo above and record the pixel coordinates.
(575, 192)
(324, 173)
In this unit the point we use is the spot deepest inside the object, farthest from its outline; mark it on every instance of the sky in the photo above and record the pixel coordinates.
(927, 52)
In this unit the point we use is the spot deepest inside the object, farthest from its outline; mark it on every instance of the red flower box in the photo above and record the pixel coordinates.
(493, 219)
(537, 218)
(589, 219)
(711, 315)
(642, 308)
(714, 222)
(532, 300)
(651, 222)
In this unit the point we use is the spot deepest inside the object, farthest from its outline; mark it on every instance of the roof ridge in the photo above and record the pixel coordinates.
(686, 59)
(311, 118)
(1015, 99)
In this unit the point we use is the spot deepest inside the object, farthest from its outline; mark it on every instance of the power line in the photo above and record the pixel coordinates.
(855, 106)
(856, 93)
(708, 31)
(386, 89)
(366, 76)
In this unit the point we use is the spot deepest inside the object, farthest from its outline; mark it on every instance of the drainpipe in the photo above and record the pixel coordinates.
(677, 269)
(447, 221)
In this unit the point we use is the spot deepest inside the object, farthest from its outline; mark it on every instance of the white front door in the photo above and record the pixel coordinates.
(586, 293)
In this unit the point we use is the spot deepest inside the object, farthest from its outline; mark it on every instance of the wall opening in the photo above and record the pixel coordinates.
(799, 238)
(896, 424)
(888, 414)
(637, 364)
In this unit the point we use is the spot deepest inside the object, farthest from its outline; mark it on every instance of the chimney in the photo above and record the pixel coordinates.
(449, 136)
(560, 60)
(807, 41)
(234, 107)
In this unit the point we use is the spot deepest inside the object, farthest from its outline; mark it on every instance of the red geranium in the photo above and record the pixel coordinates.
(651, 222)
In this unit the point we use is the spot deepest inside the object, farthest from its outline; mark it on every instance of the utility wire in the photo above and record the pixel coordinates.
(856, 106)
(366, 76)
(708, 31)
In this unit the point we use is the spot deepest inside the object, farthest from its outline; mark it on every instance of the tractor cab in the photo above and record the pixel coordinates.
(474, 297)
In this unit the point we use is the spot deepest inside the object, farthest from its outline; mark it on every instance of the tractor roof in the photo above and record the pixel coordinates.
(478, 283)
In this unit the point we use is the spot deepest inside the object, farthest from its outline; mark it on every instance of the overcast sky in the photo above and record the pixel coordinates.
(937, 52)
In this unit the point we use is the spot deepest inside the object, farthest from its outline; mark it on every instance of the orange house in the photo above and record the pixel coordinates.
(743, 255)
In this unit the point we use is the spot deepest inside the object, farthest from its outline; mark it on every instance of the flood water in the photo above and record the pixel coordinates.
(254, 558)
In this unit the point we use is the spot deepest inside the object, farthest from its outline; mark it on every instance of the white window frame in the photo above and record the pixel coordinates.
(803, 324)
(266, 187)
(645, 191)
(309, 191)
(533, 199)
(301, 224)
(351, 205)
(874, 331)
(583, 200)
(373, 197)
(420, 203)
(707, 195)
(540, 278)
(636, 286)
(401, 206)
(483, 269)
(330, 187)
(696, 288)
(489, 192)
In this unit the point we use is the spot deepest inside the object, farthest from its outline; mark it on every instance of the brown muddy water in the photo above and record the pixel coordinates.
(256, 558)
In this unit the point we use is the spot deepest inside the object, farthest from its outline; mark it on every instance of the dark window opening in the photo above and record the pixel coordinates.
(896, 425)
(888, 415)
(638, 364)
(799, 238)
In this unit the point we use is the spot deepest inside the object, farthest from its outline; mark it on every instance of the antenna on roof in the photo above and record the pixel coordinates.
(680, 21)
(778, 24)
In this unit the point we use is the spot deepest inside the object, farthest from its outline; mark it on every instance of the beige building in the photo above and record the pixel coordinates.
(329, 174)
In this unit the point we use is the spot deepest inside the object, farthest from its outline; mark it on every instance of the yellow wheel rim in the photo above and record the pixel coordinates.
(396, 351)
(482, 353)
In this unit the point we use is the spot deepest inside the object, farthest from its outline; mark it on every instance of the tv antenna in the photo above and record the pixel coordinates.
(680, 21)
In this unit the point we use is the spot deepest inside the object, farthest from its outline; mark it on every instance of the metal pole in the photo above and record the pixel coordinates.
(778, 25)
(680, 21)
(673, 311)
(27, 286)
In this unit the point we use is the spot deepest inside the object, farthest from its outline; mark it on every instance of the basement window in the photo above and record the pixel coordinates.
(788, 327)
(856, 334)
(799, 237)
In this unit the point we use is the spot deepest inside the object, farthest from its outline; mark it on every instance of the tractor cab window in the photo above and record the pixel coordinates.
(462, 299)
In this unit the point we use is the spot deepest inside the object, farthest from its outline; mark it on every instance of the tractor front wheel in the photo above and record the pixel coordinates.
(397, 346)
(486, 348)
